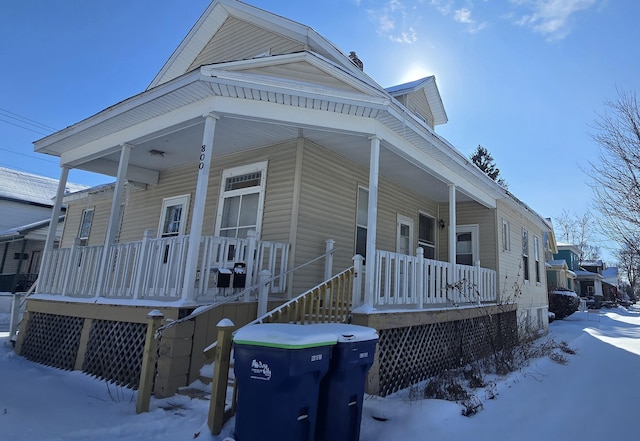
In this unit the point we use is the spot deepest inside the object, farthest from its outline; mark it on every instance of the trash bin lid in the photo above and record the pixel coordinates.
(285, 336)
(349, 333)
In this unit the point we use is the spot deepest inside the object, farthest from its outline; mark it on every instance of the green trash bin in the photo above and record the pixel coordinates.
(278, 369)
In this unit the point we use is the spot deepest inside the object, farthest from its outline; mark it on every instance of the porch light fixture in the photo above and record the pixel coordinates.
(441, 223)
(154, 152)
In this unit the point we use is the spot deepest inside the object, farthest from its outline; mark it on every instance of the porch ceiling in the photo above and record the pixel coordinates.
(181, 146)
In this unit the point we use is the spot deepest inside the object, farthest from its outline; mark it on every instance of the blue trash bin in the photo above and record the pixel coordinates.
(342, 389)
(278, 370)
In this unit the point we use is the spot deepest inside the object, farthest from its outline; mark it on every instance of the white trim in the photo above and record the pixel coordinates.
(475, 239)
(171, 201)
(404, 220)
(260, 189)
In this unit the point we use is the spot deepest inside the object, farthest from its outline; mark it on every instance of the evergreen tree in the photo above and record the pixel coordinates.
(483, 159)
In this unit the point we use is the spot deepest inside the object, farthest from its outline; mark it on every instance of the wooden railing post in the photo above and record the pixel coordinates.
(249, 261)
(420, 277)
(16, 301)
(356, 295)
(263, 293)
(217, 417)
(149, 356)
(142, 266)
(68, 271)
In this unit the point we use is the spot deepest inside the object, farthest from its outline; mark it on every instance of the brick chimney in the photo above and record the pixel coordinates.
(355, 60)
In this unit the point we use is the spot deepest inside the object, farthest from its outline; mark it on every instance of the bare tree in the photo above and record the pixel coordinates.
(629, 264)
(616, 173)
(577, 230)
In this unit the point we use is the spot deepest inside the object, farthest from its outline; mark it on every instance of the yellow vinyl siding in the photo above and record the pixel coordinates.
(239, 40)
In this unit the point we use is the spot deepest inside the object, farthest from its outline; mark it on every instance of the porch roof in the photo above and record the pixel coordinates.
(259, 110)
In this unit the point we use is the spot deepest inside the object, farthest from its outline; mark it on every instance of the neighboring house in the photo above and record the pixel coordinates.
(562, 259)
(26, 201)
(260, 146)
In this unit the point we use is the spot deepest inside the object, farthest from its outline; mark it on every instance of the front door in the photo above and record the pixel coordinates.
(466, 244)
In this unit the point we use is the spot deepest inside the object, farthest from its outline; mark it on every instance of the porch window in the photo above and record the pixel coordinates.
(85, 226)
(506, 235)
(426, 235)
(536, 256)
(464, 249)
(525, 253)
(173, 216)
(242, 200)
(362, 216)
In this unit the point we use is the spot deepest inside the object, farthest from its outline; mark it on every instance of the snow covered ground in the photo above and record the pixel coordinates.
(592, 397)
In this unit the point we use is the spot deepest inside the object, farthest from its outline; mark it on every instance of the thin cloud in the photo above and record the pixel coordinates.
(395, 22)
(551, 18)
(464, 16)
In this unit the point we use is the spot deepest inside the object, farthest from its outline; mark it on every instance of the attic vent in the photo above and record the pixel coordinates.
(355, 60)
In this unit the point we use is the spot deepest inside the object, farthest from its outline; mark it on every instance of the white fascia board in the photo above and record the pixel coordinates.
(134, 173)
(119, 108)
(290, 87)
(189, 48)
(110, 143)
(318, 61)
(436, 168)
(290, 115)
(430, 137)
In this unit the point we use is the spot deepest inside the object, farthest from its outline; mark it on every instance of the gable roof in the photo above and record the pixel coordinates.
(29, 188)
(254, 20)
(34, 230)
(427, 86)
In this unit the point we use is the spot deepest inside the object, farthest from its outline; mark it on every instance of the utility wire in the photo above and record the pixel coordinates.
(24, 120)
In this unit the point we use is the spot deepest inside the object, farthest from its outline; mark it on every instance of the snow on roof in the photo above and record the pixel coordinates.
(559, 262)
(27, 187)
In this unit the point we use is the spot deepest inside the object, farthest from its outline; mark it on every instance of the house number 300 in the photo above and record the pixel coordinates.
(203, 149)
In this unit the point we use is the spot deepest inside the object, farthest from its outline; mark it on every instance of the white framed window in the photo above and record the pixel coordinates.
(536, 257)
(506, 235)
(173, 216)
(85, 226)
(241, 202)
(362, 217)
(427, 235)
(404, 235)
(525, 253)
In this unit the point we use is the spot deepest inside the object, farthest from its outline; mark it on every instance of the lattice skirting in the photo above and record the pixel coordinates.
(113, 350)
(53, 340)
(412, 354)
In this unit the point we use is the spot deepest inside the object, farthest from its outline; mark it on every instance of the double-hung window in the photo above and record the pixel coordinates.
(173, 216)
(506, 235)
(427, 235)
(241, 201)
(362, 216)
(536, 257)
(525, 253)
(85, 226)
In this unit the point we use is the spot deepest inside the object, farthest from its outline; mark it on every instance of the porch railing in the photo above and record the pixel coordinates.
(154, 268)
(405, 280)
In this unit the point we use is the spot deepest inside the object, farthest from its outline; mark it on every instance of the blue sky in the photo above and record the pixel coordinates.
(524, 78)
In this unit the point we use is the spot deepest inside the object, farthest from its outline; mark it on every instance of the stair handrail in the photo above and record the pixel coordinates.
(201, 310)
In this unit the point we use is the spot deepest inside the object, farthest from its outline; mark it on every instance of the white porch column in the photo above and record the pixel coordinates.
(197, 218)
(53, 225)
(114, 216)
(452, 224)
(372, 220)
